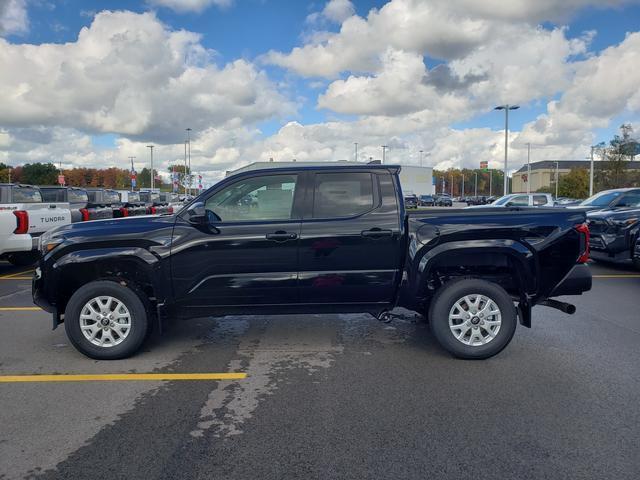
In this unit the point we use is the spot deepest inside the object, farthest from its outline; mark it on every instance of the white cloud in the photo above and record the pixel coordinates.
(128, 73)
(336, 11)
(13, 17)
(183, 6)
(444, 29)
(603, 86)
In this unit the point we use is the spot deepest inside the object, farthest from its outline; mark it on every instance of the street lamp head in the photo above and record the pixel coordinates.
(500, 107)
(514, 107)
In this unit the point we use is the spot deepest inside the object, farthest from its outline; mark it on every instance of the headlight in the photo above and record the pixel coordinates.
(48, 242)
(626, 222)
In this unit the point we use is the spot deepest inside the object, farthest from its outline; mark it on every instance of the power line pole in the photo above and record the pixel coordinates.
(384, 153)
(189, 144)
(150, 147)
(557, 178)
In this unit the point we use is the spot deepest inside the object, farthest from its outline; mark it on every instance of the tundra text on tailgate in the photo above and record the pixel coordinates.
(312, 240)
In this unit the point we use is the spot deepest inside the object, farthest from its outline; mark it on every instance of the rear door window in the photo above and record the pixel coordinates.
(53, 194)
(342, 194)
(540, 200)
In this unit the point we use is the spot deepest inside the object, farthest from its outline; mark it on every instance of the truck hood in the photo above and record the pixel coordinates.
(127, 228)
(615, 214)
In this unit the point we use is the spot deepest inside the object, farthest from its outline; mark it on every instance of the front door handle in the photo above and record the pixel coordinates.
(281, 236)
(376, 233)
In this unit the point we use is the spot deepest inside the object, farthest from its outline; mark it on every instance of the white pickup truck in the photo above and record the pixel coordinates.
(23, 218)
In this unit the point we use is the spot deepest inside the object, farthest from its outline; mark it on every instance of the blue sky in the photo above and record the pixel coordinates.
(359, 94)
(250, 28)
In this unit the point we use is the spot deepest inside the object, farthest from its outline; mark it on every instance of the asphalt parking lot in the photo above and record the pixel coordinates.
(340, 396)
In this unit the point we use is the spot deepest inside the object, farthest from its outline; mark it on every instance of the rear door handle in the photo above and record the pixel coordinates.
(281, 236)
(376, 233)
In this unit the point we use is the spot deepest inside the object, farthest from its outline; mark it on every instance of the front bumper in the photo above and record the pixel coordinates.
(576, 282)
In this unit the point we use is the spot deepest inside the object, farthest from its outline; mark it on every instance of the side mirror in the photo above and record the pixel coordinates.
(197, 214)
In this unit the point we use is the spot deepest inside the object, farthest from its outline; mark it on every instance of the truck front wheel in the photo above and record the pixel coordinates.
(472, 318)
(106, 320)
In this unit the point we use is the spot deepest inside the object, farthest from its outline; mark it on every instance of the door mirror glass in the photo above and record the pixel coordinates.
(196, 214)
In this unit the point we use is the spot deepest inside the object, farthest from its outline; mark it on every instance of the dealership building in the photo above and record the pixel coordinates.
(542, 174)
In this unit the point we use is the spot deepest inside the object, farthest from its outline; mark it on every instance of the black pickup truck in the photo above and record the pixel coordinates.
(311, 239)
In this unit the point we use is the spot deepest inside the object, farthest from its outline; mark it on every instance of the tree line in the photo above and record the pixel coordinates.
(47, 174)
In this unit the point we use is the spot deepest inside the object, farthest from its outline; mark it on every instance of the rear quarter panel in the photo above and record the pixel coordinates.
(542, 244)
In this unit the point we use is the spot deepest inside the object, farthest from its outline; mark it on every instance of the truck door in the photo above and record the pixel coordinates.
(250, 257)
(350, 238)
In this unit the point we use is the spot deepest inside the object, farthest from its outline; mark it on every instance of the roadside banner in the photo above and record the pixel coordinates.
(61, 179)
(484, 165)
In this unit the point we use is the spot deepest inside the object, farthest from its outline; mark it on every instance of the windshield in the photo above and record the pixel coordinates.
(26, 195)
(601, 199)
(77, 196)
(134, 197)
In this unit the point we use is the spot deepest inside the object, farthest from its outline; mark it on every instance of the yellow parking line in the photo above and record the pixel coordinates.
(20, 309)
(629, 275)
(12, 275)
(16, 278)
(110, 377)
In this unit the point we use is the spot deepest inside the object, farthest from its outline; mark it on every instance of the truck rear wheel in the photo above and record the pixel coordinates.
(106, 320)
(472, 318)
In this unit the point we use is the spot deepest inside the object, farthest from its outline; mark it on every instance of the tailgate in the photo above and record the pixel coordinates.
(45, 217)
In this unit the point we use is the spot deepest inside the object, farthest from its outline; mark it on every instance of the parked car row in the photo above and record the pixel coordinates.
(27, 211)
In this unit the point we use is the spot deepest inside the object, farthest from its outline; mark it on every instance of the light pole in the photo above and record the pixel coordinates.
(476, 185)
(557, 178)
(384, 152)
(150, 147)
(189, 144)
(420, 157)
(184, 177)
(462, 190)
(451, 184)
(356, 154)
(506, 109)
(528, 168)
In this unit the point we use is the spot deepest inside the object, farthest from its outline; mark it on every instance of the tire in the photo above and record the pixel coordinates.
(477, 341)
(23, 259)
(118, 342)
(636, 262)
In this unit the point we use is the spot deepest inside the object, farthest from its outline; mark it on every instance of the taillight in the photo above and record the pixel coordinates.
(153, 210)
(85, 214)
(583, 229)
(124, 211)
(170, 210)
(22, 220)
